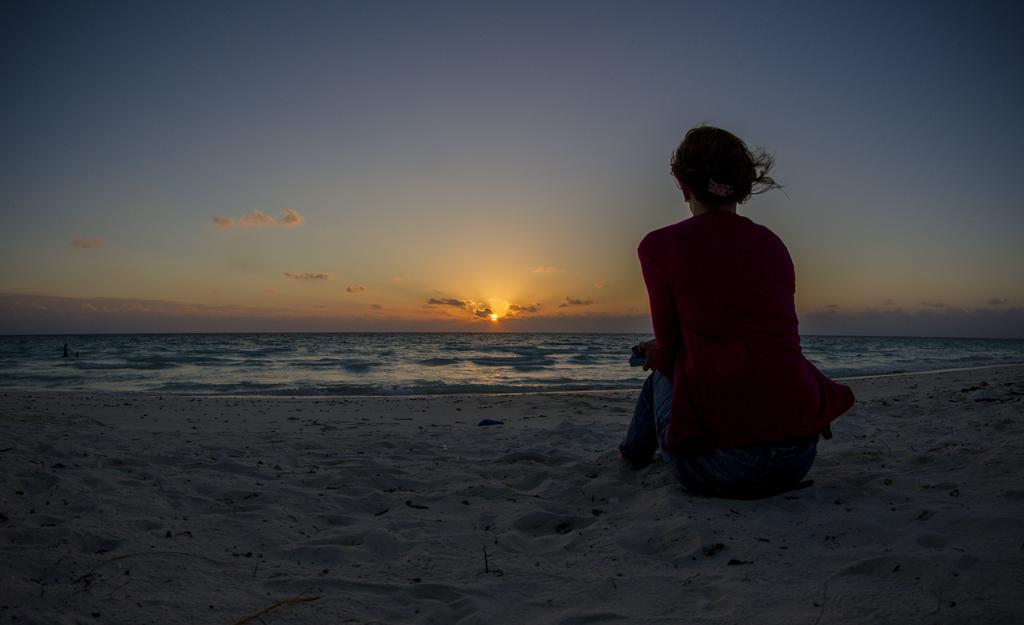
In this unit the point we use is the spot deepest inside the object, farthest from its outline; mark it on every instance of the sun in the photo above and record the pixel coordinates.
(494, 316)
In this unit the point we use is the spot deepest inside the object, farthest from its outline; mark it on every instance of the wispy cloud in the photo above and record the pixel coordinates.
(546, 269)
(376, 306)
(291, 218)
(571, 301)
(87, 243)
(998, 301)
(519, 308)
(483, 313)
(934, 304)
(450, 301)
(600, 284)
(307, 275)
(355, 288)
(258, 219)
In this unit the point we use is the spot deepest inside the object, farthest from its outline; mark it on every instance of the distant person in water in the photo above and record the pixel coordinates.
(731, 403)
(65, 348)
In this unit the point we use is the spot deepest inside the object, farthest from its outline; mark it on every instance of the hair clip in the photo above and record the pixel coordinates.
(722, 190)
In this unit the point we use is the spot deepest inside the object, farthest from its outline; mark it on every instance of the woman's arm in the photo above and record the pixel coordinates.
(662, 356)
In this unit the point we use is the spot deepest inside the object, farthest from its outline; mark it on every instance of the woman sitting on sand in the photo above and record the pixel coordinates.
(732, 404)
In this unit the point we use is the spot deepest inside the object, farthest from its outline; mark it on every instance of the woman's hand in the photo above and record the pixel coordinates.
(641, 350)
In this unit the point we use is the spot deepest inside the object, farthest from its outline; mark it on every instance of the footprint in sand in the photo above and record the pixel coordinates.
(593, 619)
(932, 541)
(36, 483)
(457, 606)
(544, 532)
(93, 543)
(901, 587)
(538, 524)
(653, 539)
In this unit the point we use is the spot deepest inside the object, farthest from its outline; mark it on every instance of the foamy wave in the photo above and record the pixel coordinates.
(382, 364)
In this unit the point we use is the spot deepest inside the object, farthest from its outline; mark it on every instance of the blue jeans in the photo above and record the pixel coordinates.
(739, 472)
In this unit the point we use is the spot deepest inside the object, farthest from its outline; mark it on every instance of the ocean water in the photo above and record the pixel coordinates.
(406, 364)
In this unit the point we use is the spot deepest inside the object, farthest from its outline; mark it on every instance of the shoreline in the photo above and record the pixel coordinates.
(178, 509)
(928, 371)
(98, 393)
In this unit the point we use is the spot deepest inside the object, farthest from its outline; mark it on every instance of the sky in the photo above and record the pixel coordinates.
(346, 166)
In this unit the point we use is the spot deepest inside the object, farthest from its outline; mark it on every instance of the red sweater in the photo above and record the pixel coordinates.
(721, 290)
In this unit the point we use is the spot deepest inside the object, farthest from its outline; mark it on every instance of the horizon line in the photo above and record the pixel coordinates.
(581, 332)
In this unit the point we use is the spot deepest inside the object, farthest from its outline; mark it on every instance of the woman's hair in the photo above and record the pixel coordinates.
(718, 168)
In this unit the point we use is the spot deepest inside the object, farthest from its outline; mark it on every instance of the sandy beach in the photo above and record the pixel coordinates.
(148, 509)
